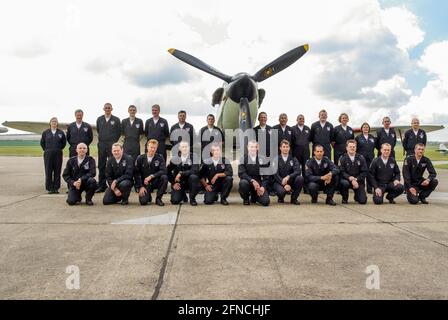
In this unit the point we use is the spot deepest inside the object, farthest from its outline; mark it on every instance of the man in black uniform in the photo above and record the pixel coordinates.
(181, 131)
(417, 187)
(263, 135)
(79, 174)
(384, 174)
(119, 176)
(132, 130)
(216, 177)
(150, 173)
(341, 134)
(209, 135)
(53, 142)
(253, 182)
(301, 142)
(413, 136)
(386, 135)
(183, 174)
(354, 171)
(157, 128)
(288, 178)
(321, 175)
(109, 131)
(321, 133)
(284, 131)
(77, 132)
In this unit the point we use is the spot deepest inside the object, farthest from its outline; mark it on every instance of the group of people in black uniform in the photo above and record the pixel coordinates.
(291, 170)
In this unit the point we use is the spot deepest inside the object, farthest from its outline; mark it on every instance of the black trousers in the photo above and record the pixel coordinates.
(315, 187)
(302, 154)
(339, 151)
(422, 192)
(132, 148)
(72, 150)
(53, 167)
(74, 195)
(391, 190)
(160, 184)
(360, 193)
(296, 186)
(223, 186)
(124, 186)
(247, 190)
(368, 182)
(191, 185)
(104, 153)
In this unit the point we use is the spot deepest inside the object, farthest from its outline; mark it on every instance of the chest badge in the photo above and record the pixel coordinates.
(86, 166)
(85, 129)
(137, 125)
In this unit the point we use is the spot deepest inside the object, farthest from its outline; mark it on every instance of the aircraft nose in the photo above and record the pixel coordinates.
(243, 87)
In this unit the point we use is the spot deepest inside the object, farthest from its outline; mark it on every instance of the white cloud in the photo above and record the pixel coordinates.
(404, 25)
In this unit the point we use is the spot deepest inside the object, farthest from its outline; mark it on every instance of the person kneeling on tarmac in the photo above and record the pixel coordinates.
(417, 187)
(79, 174)
(288, 178)
(149, 174)
(119, 176)
(216, 176)
(321, 175)
(354, 171)
(384, 175)
(253, 182)
(183, 174)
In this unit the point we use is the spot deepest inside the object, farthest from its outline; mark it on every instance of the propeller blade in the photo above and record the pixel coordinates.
(195, 62)
(280, 63)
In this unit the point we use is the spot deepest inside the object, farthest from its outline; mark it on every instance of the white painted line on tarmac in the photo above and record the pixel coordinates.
(163, 219)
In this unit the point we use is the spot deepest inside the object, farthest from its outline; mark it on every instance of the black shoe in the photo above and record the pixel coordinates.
(185, 199)
(55, 191)
(391, 200)
(159, 202)
(246, 202)
(89, 202)
(345, 201)
(314, 200)
(50, 192)
(330, 202)
(295, 202)
(100, 190)
(253, 200)
(124, 202)
(424, 201)
(281, 200)
(224, 202)
(193, 202)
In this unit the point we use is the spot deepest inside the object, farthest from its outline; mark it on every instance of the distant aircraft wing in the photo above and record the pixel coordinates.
(402, 129)
(39, 127)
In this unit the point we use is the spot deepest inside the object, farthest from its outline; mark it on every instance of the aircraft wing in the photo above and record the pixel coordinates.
(402, 129)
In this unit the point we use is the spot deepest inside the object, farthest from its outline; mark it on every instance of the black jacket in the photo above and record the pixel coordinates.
(413, 171)
(290, 167)
(132, 133)
(340, 137)
(108, 131)
(83, 134)
(189, 167)
(124, 170)
(381, 174)
(410, 140)
(283, 135)
(321, 135)
(208, 169)
(73, 172)
(53, 142)
(188, 128)
(208, 137)
(251, 170)
(382, 137)
(143, 169)
(159, 131)
(357, 169)
(267, 139)
(366, 148)
(314, 171)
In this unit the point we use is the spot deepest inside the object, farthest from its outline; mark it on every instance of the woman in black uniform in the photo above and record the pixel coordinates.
(366, 148)
(341, 134)
(53, 141)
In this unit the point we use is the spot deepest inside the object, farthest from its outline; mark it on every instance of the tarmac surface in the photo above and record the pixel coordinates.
(215, 252)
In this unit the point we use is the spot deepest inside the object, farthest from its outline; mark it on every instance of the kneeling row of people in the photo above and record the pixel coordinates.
(215, 176)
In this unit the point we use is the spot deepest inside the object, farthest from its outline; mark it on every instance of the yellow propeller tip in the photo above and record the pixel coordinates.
(306, 47)
(171, 50)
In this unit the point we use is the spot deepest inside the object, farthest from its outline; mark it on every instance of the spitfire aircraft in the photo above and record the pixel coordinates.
(239, 98)
(443, 149)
